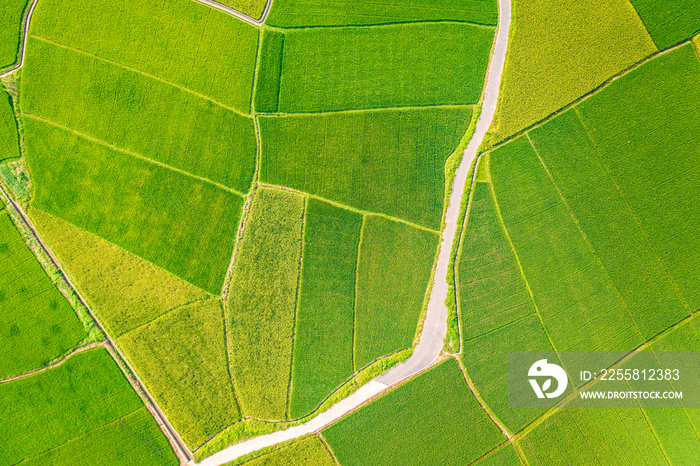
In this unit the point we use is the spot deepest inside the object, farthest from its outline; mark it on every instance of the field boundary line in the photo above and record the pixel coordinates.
(174, 439)
(328, 447)
(494, 450)
(631, 209)
(587, 95)
(56, 362)
(364, 110)
(165, 314)
(355, 294)
(653, 431)
(24, 32)
(142, 73)
(415, 22)
(347, 207)
(228, 357)
(522, 275)
(297, 295)
(133, 154)
(237, 14)
(585, 238)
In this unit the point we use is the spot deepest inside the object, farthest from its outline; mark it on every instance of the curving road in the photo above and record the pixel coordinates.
(435, 326)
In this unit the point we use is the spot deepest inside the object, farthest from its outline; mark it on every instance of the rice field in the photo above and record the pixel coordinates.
(181, 358)
(9, 141)
(37, 324)
(261, 302)
(252, 8)
(669, 22)
(159, 214)
(394, 266)
(309, 451)
(324, 328)
(432, 419)
(389, 162)
(301, 13)
(504, 456)
(122, 289)
(267, 81)
(11, 12)
(330, 69)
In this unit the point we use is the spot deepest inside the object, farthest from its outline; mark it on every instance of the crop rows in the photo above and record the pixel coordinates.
(669, 22)
(9, 141)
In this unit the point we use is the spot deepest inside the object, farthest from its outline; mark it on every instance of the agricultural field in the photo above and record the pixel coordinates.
(388, 162)
(9, 142)
(559, 51)
(421, 422)
(261, 302)
(669, 22)
(406, 65)
(11, 12)
(309, 451)
(37, 325)
(324, 328)
(267, 79)
(183, 360)
(504, 456)
(394, 266)
(252, 8)
(84, 401)
(301, 13)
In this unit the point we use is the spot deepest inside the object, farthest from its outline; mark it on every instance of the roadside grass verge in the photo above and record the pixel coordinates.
(181, 358)
(330, 69)
(156, 213)
(432, 419)
(669, 23)
(301, 13)
(181, 41)
(394, 266)
(323, 339)
(138, 114)
(560, 50)
(48, 409)
(261, 303)
(37, 324)
(122, 289)
(390, 161)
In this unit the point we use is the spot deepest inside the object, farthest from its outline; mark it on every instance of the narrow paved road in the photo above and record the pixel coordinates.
(435, 327)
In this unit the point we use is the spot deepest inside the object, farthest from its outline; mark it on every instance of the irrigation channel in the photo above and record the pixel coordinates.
(435, 327)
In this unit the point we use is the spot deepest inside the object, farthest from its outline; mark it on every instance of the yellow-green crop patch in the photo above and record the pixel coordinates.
(181, 358)
(669, 22)
(122, 289)
(436, 409)
(182, 224)
(9, 139)
(300, 13)
(180, 41)
(11, 12)
(324, 329)
(646, 125)
(329, 69)
(36, 323)
(389, 162)
(138, 114)
(261, 302)
(559, 51)
(309, 451)
(86, 392)
(394, 265)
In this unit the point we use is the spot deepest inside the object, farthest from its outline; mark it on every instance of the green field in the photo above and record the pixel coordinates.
(134, 439)
(328, 69)
(561, 50)
(432, 419)
(267, 80)
(122, 289)
(80, 181)
(389, 162)
(9, 141)
(261, 303)
(647, 127)
(11, 12)
(252, 8)
(179, 41)
(152, 119)
(575, 297)
(610, 225)
(309, 451)
(181, 358)
(669, 22)
(504, 456)
(394, 266)
(323, 337)
(36, 323)
(299, 13)
(87, 392)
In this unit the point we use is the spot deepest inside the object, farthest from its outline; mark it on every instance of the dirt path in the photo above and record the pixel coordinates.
(238, 14)
(435, 326)
(61, 360)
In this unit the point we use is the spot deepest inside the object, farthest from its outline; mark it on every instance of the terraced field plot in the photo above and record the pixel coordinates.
(9, 141)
